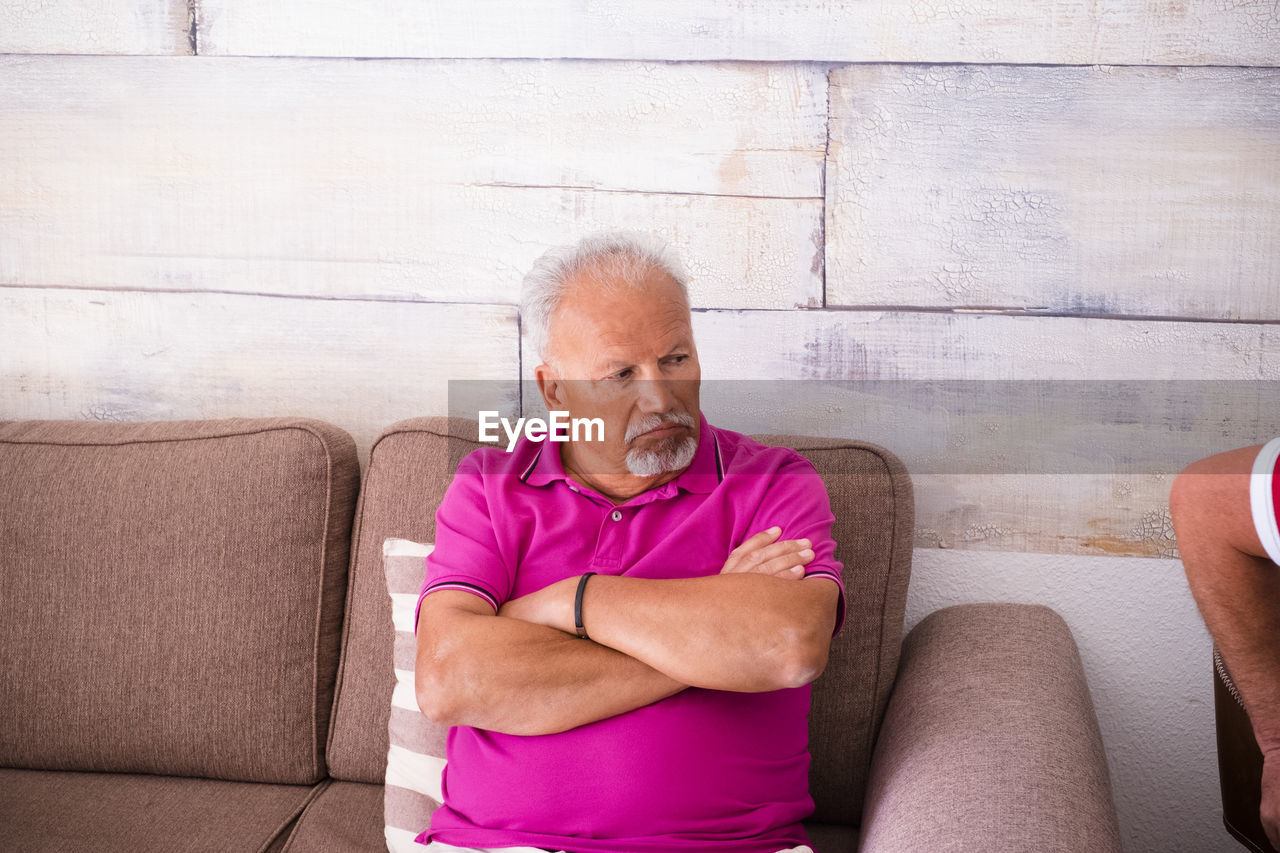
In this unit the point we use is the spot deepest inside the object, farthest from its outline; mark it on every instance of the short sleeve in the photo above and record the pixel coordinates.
(466, 554)
(1264, 497)
(796, 500)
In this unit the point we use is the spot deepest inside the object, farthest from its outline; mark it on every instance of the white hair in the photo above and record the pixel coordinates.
(607, 258)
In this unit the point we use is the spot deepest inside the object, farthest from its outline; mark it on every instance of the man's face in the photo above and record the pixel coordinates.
(629, 359)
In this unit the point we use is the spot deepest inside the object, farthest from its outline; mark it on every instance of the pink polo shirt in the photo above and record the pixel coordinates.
(706, 770)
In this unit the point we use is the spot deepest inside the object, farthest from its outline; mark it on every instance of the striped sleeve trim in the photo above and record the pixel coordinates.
(474, 589)
(840, 605)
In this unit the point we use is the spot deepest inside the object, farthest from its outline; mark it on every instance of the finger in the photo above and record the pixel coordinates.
(783, 564)
(761, 539)
(789, 563)
(764, 537)
(777, 549)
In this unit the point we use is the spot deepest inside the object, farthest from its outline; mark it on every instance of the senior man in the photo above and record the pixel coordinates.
(621, 633)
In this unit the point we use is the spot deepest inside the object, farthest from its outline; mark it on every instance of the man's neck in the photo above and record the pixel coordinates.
(618, 486)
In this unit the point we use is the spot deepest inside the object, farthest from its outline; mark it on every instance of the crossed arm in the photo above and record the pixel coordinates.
(758, 625)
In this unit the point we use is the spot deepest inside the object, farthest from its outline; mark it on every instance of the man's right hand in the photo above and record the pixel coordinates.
(763, 555)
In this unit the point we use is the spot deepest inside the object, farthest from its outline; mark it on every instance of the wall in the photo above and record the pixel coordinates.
(213, 208)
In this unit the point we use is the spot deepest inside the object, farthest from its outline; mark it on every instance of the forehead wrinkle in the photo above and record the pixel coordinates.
(677, 333)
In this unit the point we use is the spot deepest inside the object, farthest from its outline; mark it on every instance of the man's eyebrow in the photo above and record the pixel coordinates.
(614, 363)
(681, 343)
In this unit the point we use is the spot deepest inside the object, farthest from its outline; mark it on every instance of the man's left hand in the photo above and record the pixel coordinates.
(760, 554)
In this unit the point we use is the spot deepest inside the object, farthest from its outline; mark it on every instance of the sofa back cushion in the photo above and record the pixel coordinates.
(412, 464)
(872, 501)
(171, 594)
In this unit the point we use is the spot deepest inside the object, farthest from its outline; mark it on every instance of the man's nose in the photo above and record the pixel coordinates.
(656, 395)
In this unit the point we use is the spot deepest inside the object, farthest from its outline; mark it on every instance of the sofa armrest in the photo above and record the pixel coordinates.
(990, 741)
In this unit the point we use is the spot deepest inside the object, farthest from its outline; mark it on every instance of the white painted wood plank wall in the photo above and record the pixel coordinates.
(931, 189)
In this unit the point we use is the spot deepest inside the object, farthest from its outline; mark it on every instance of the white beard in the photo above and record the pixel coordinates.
(651, 463)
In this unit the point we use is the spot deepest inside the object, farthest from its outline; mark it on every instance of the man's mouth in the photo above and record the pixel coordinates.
(664, 430)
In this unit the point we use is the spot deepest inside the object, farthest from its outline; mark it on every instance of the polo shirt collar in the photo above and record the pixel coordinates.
(704, 473)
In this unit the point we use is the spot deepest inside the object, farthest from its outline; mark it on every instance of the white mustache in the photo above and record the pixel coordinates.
(651, 422)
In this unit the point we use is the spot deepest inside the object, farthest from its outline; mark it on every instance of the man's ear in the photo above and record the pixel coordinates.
(550, 385)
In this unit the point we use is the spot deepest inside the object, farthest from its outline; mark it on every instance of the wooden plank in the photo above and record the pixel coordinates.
(97, 26)
(133, 356)
(1071, 32)
(1030, 458)
(862, 345)
(1111, 191)
(382, 180)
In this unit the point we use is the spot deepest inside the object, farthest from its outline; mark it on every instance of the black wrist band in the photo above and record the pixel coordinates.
(577, 606)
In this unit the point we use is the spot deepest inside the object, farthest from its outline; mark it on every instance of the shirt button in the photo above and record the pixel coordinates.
(616, 516)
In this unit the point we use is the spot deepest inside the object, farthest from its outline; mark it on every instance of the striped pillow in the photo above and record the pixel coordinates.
(415, 758)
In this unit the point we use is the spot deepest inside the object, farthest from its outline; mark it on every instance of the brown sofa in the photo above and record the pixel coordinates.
(197, 652)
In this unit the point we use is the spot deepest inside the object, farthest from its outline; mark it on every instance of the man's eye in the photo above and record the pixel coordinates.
(622, 374)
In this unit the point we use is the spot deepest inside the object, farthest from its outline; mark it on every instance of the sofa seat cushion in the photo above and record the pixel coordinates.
(56, 810)
(346, 817)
